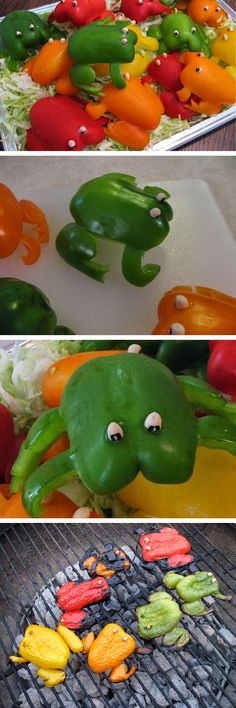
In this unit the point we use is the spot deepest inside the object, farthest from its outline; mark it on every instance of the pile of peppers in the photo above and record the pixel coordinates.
(172, 66)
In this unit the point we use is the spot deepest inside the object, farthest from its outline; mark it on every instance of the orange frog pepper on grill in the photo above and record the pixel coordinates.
(136, 105)
(13, 215)
(109, 650)
(206, 12)
(196, 310)
(210, 82)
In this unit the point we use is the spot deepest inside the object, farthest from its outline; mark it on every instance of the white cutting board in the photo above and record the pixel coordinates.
(199, 250)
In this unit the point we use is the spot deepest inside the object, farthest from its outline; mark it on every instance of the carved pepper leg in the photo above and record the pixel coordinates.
(121, 673)
(32, 214)
(78, 247)
(133, 270)
(48, 477)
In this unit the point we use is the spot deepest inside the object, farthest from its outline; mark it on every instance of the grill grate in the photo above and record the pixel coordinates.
(37, 558)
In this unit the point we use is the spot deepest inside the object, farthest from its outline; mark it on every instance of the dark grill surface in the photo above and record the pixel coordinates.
(36, 559)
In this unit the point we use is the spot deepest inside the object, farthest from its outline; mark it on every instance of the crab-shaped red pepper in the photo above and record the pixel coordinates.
(140, 10)
(80, 12)
(61, 123)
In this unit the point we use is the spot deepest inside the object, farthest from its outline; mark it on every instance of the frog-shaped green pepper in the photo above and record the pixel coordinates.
(178, 32)
(123, 413)
(160, 618)
(21, 31)
(114, 207)
(97, 43)
(192, 588)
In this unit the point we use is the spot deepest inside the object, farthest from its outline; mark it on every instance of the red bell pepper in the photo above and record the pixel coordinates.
(167, 543)
(165, 70)
(9, 444)
(173, 106)
(80, 12)
(73, 620)
(221, 368)
(61, 123)
(140, 11)
(76, 595)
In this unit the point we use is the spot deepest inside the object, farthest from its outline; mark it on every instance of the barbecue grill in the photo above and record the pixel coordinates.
(37, 559)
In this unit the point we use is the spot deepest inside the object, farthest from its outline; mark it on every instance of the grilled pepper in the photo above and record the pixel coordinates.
(209, 82)
(43, 647)
(196, 310)
(51, 677)
(115, 208)
(73, 619)
(74, 643)
(137, 106)
(158, 436)
(109, 650)
(107, 564)
(195, 586)
(21, 31)
(96, 43)
(76, 595)
(159, 618)
(24, 309)
(166, 543)
(80, 12)
(178, 32)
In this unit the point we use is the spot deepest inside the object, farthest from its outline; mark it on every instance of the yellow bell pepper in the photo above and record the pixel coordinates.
(51, 677)
(44, 647)
(224, 45)
(143, 55)
(72, 640)
(210, 492)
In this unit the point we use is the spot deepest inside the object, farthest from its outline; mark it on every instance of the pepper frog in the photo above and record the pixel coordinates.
(13, 215)
(108, 651)
(49, 650)
(21, 31)
(192, 588)
(114, 207)
(160, 618)
(179, 32)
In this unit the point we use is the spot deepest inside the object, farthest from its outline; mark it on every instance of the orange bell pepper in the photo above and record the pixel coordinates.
(11, 506)
(137, 104)
(210, 82)
(199, 310)
(127, 134)
(51, 61)
(209, 12)
(59, 373)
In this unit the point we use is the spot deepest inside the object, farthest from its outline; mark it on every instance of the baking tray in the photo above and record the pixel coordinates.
(175, 141)
(199, 249)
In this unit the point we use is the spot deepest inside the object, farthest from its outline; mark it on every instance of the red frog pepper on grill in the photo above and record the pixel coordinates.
(166, 543)
(73, 619)
(76, 595)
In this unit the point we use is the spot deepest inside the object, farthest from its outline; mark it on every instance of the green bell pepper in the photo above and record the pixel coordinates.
(179, 355)
(24, 309)
(160, 619)
(97, 43)
(193, 587)
(21, 31)
(177, 32)
(113, 207)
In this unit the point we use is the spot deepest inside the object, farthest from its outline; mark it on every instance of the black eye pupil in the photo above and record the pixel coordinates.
(116, 437)
(198, 68)
(154, 429)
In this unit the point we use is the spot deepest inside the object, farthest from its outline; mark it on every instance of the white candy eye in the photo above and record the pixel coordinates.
(71, 143)
(153, 422)
(124, 41)
(193, 30)
(74, 3)
(82, 129)
(160, 197)
(18, 33)
(32, 28)
(181, 302)
(176, 328)
(155, 212)
(124, 30)
(176, 33)
(114, 432)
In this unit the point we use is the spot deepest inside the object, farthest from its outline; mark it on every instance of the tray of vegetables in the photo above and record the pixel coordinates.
(116, 75)
(118, 429)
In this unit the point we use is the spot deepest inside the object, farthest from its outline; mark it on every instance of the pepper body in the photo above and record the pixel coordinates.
(179, 32)
(21, 31)
(192, 587)
(143, 53)
(209, 13)
(96, 43)
(24, 309)
(110, 648)
(141, 11)
(224, 45)
(76, 595)
(198, 310)
(159, 617)
(210, 82)
(136, 104)
(113, 207)
(44, 647)
(50, 63)
(167, 543)
(165, 70)
(221, 367)
(13, 215)
(79, 13)
(61, 123)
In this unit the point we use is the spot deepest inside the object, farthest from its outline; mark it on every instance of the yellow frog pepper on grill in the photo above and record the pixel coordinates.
(48, 650)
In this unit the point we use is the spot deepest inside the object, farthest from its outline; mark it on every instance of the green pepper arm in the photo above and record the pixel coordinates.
(78, 247)
(177, 638)
(216, 433)
(48, 477)
(196, 608)
(206, 398)
(44, 432)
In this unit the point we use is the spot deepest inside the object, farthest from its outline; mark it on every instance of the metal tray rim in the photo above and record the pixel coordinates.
(205, 126)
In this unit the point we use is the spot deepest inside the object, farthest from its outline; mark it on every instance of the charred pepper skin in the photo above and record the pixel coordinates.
(113, 207)
(21, 31)
(144, 422)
